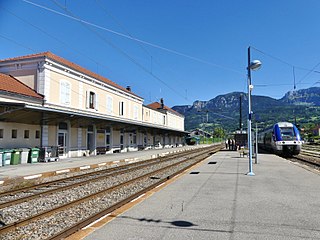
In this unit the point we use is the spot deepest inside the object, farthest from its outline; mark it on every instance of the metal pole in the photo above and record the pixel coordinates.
(250, 173)
(240, 120)
(256, 160)
(207, 126)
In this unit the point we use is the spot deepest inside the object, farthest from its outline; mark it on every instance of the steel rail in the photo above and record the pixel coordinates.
(23, 222)
(67, 232)
(76, 184)
(82, 176)
(315, 161)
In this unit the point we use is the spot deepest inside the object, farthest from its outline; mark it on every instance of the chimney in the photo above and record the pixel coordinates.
(161, 103)
(128, 88)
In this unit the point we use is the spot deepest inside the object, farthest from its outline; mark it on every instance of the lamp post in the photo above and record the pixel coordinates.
(254, 65)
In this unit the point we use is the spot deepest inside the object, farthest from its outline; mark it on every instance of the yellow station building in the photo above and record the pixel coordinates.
(48, 101)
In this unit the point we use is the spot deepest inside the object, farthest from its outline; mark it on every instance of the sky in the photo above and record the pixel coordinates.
(178, 50)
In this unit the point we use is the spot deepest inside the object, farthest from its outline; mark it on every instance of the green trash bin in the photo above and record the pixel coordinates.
(15, 156)
(6, 157)
(33, 155)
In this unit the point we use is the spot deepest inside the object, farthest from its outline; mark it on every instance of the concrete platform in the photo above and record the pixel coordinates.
(12, 173)
(282, 201)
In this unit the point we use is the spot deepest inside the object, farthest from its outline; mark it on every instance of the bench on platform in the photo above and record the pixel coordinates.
(102, 150)
(243, 152)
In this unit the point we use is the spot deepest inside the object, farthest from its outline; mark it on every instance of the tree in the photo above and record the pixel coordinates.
(219, 132)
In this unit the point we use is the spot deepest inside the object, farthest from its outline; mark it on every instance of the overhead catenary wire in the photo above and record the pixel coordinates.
(121, 51)
(285, 62)
(49, 77)
(34, 51)
(308, 73)
(153, 61)
(17, 43)
(133, 38)
(53, 37)
(104, 9)
(43, 31)
(148, 66)
(294, 67)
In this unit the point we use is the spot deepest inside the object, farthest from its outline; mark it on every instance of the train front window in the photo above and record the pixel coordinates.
(287, 133)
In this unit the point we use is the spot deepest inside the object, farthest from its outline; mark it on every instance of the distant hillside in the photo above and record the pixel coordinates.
(310, 96)
(223, 111)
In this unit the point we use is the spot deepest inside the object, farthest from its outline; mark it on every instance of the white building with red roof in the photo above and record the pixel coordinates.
(46, 100)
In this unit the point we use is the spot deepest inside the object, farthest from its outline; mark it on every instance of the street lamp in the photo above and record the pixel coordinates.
(254, 65)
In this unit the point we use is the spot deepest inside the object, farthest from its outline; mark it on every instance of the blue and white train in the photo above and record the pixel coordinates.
(283, 139)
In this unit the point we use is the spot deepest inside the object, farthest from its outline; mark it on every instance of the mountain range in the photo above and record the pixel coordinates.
(227, 111)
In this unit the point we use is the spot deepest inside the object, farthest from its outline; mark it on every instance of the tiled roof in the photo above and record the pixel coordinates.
(72, 65)
(12, 85)
(157, 106)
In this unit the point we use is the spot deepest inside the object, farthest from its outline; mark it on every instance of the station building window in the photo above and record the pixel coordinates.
(37, 134)
(1, 133)
(26, 134)
(154, 117)
(121, 108)
(135, 112)
(65, 92)
(92, 100)
(109, 104)
(14, 133)
(63, 126)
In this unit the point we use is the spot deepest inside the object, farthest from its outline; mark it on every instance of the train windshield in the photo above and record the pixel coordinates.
(287, 133)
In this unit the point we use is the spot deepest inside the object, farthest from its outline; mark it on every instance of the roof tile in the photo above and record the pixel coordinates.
(156, 106)
(13, 85)
(72, 65)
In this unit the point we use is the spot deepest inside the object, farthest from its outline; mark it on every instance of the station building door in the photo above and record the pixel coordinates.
(91, 140)
(63, 138)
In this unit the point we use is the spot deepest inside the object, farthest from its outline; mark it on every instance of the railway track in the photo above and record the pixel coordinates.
(61, 207)
(310, 155)
(311, 160)
(27, 193)
(311, 147)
